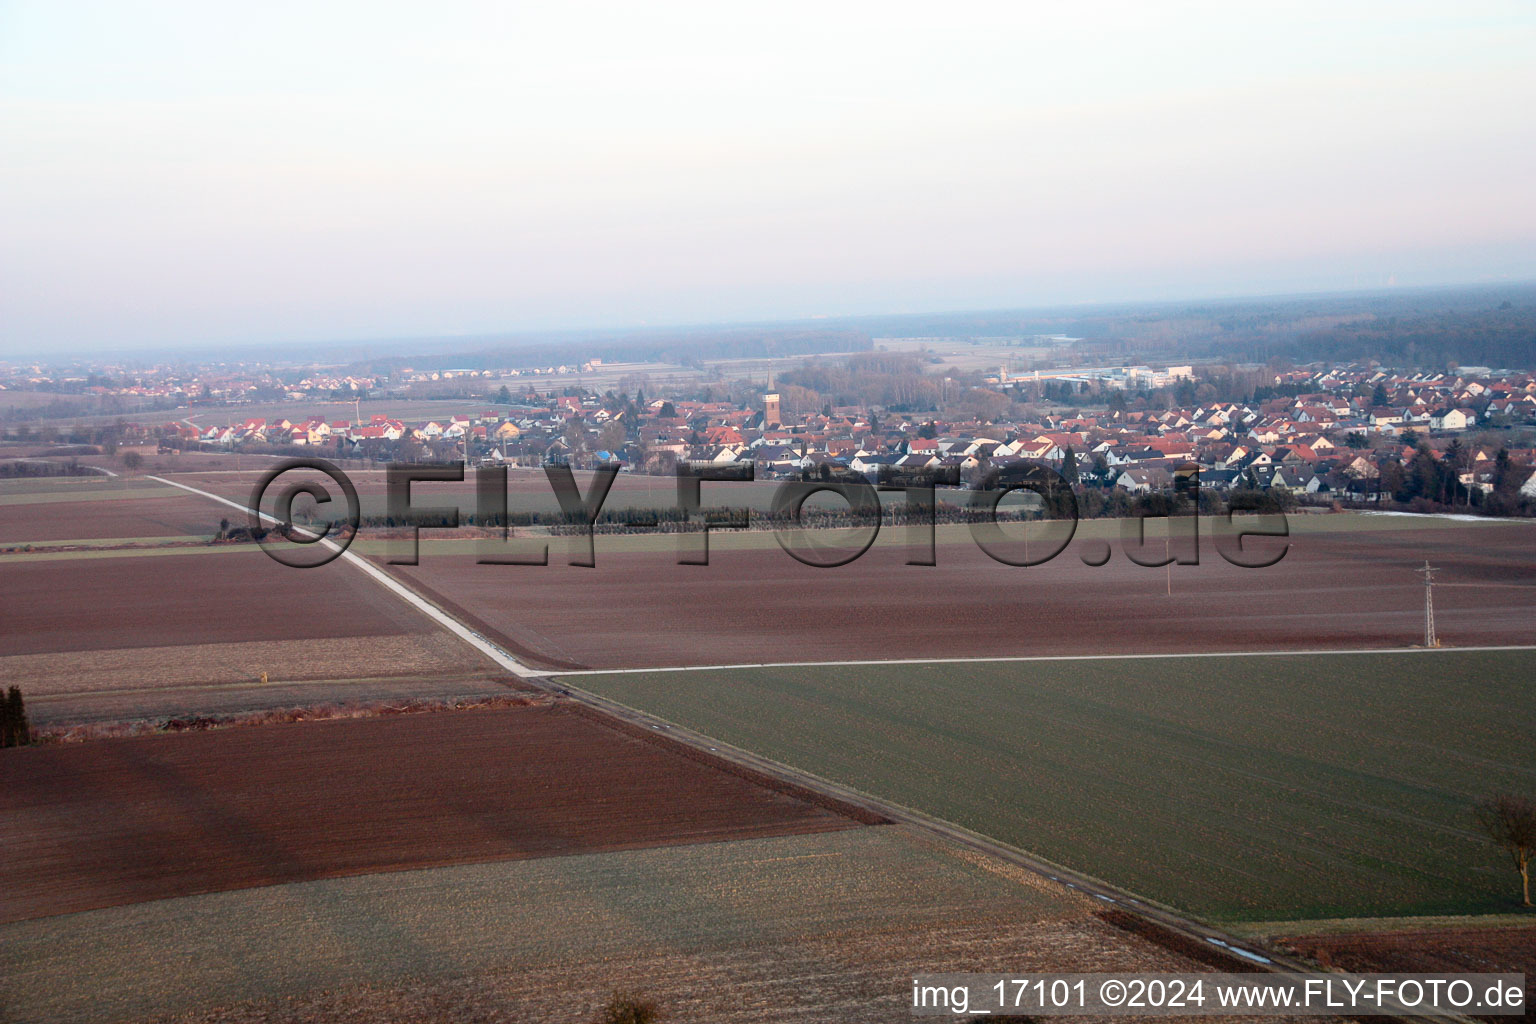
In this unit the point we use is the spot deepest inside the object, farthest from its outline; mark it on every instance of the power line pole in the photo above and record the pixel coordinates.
(1428, 572)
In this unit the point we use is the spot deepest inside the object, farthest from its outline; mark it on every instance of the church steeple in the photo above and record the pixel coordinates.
(771, 415)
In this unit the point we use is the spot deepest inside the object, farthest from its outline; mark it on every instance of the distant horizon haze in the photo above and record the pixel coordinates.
(343, 349)
(176, 176)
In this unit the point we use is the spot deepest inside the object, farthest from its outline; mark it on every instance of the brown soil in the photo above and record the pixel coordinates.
(84, 604)
(1348, 589)
(89, 519)
(123, 821)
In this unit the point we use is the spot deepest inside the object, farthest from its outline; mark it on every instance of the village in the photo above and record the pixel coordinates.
(1344, 434)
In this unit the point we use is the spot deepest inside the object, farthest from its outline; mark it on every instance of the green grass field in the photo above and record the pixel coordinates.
(1234, 787)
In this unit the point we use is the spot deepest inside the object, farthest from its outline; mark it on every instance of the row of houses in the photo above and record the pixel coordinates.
(1334, 431)
(317, 430)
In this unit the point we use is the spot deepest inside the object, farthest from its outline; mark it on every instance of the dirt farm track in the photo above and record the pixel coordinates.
(123, 821)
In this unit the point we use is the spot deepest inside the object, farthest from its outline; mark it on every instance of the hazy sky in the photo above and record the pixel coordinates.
(208, 172)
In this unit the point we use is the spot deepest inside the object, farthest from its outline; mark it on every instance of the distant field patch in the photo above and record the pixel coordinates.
(96, 550)
(173, 598)
(107, 513)
(1279, 787)
(110, 671)
(34, 484)
(84, 494)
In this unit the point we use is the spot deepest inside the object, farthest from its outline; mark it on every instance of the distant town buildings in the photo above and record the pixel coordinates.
(1337, 433)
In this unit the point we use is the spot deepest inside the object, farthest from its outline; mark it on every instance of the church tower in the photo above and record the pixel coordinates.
(771, 415)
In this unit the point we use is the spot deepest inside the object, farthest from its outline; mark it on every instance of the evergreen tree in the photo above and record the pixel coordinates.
(1504, 481)
(1455, 455)
(18, 731)
(1424, 477)
(1379, 397)
(1101, 469)
(22, 724)
(1069, 466)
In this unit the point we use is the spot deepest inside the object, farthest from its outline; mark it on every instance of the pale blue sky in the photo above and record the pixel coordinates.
(180, 173)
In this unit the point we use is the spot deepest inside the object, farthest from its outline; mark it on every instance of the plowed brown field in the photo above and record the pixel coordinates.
(123, 821)
(224, 596)
(85, 519)
(1346, 588)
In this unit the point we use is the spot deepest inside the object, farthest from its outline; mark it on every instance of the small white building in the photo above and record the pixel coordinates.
(1452, 419)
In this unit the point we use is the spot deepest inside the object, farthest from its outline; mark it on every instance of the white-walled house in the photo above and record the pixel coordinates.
(1452, 419)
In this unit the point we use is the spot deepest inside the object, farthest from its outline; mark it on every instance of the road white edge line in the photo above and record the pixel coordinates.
(379, 576)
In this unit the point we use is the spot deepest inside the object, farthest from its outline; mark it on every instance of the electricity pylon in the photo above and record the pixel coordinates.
(1428, 572)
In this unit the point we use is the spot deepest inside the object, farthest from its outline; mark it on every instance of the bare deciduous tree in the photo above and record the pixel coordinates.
(611, 437)
(575, 435)
(1510, 821)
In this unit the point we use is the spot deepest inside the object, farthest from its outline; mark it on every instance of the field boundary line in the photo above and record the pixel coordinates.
(1043, 657)
(400, 590)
